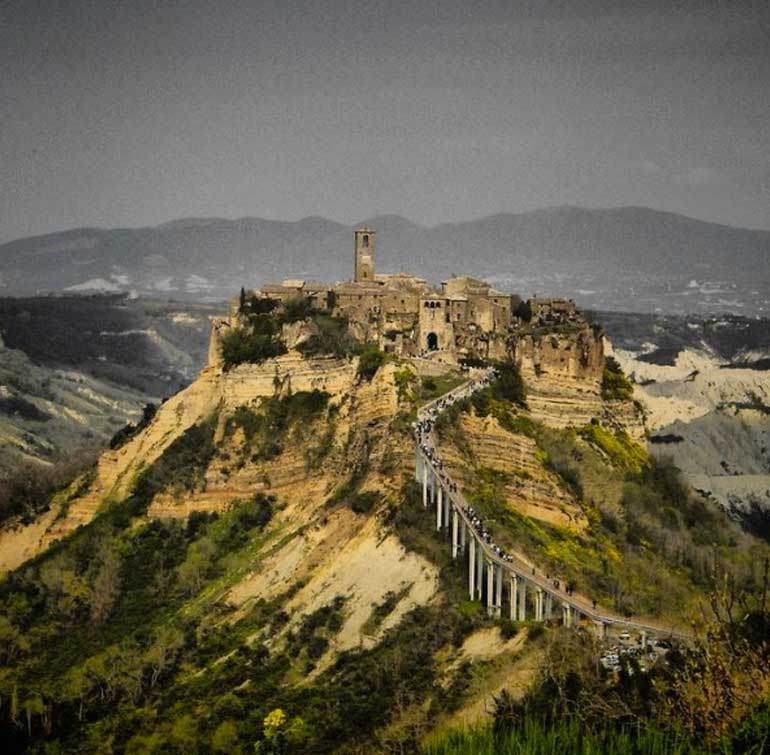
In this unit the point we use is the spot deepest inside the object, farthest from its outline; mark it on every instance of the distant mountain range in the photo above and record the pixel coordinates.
(605, 254)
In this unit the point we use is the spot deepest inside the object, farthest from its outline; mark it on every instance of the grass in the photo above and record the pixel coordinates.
(430, 388)
(533, 737)
(267, 425)
(621, 450)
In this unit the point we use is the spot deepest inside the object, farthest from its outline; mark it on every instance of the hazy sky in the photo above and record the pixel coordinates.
(134, 113)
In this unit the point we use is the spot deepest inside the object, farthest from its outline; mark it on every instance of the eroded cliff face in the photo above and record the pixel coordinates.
(360, 406)
(563, 374)
(332, 452)
(574, 354)
(529, 488)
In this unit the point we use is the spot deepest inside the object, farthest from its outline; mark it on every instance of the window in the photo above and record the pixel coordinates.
(365, 239)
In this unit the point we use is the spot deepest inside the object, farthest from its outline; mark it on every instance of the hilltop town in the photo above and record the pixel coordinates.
(463, 320)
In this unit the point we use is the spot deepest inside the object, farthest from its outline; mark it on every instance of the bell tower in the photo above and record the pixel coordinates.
(364, 255)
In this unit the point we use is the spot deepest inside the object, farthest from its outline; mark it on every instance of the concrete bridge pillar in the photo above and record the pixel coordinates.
(514, 598)
(601, 630)
(424, 484)
(522, 600)
(538, 604)
(498, 590)
(455, 525)
(548, 605)
(472, 568)
(479, 570)
(566, 612)
(447, 506)
(490, 588)
(439, 516)
(644, 640)
(463, 535)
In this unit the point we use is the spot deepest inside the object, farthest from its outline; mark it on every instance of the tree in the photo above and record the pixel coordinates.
(225, 738)
(163, 651)
(105, 588)
(369, 361)
(192, 571)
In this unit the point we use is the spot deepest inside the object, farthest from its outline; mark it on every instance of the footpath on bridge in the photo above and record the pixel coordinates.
(490, 564)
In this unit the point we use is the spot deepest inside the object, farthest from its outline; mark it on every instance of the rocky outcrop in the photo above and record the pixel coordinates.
(575, 353)
(213, 392)
(564, 403)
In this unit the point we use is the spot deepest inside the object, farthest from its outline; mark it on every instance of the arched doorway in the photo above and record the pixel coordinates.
(432, 341)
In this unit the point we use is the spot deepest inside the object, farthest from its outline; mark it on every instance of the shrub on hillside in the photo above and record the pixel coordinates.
(265, 426)
(509, 386)
(20, 407)
(615, 385)
(241, 345)
(30, 488)
(332, 337)
(296, 309)
(370, 360)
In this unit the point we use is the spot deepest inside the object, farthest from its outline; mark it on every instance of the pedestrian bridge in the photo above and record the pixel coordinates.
(504, 581)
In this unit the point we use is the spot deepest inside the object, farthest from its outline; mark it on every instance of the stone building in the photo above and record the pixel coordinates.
(464, 317)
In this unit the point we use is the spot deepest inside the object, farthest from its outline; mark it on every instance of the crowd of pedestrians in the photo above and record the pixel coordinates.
(423, 431)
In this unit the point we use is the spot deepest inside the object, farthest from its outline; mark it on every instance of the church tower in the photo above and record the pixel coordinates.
(364, 256)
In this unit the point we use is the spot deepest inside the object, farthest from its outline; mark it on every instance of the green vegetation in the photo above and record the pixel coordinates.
(332, 338)
(709, 698)
(296, 309)
(311, 640)
(242, 344)
(266, 426)
(259, 338)
(431, 388)
(31, 488)
(615, 385)
(382, 610)
(647, 545)
(180, 468)
(509, 386)
(116, 636)
(20, 407)
(621, 450)
(534, 737)
(369, 361)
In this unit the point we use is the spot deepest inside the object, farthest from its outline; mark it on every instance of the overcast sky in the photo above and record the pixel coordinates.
(134, 113)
